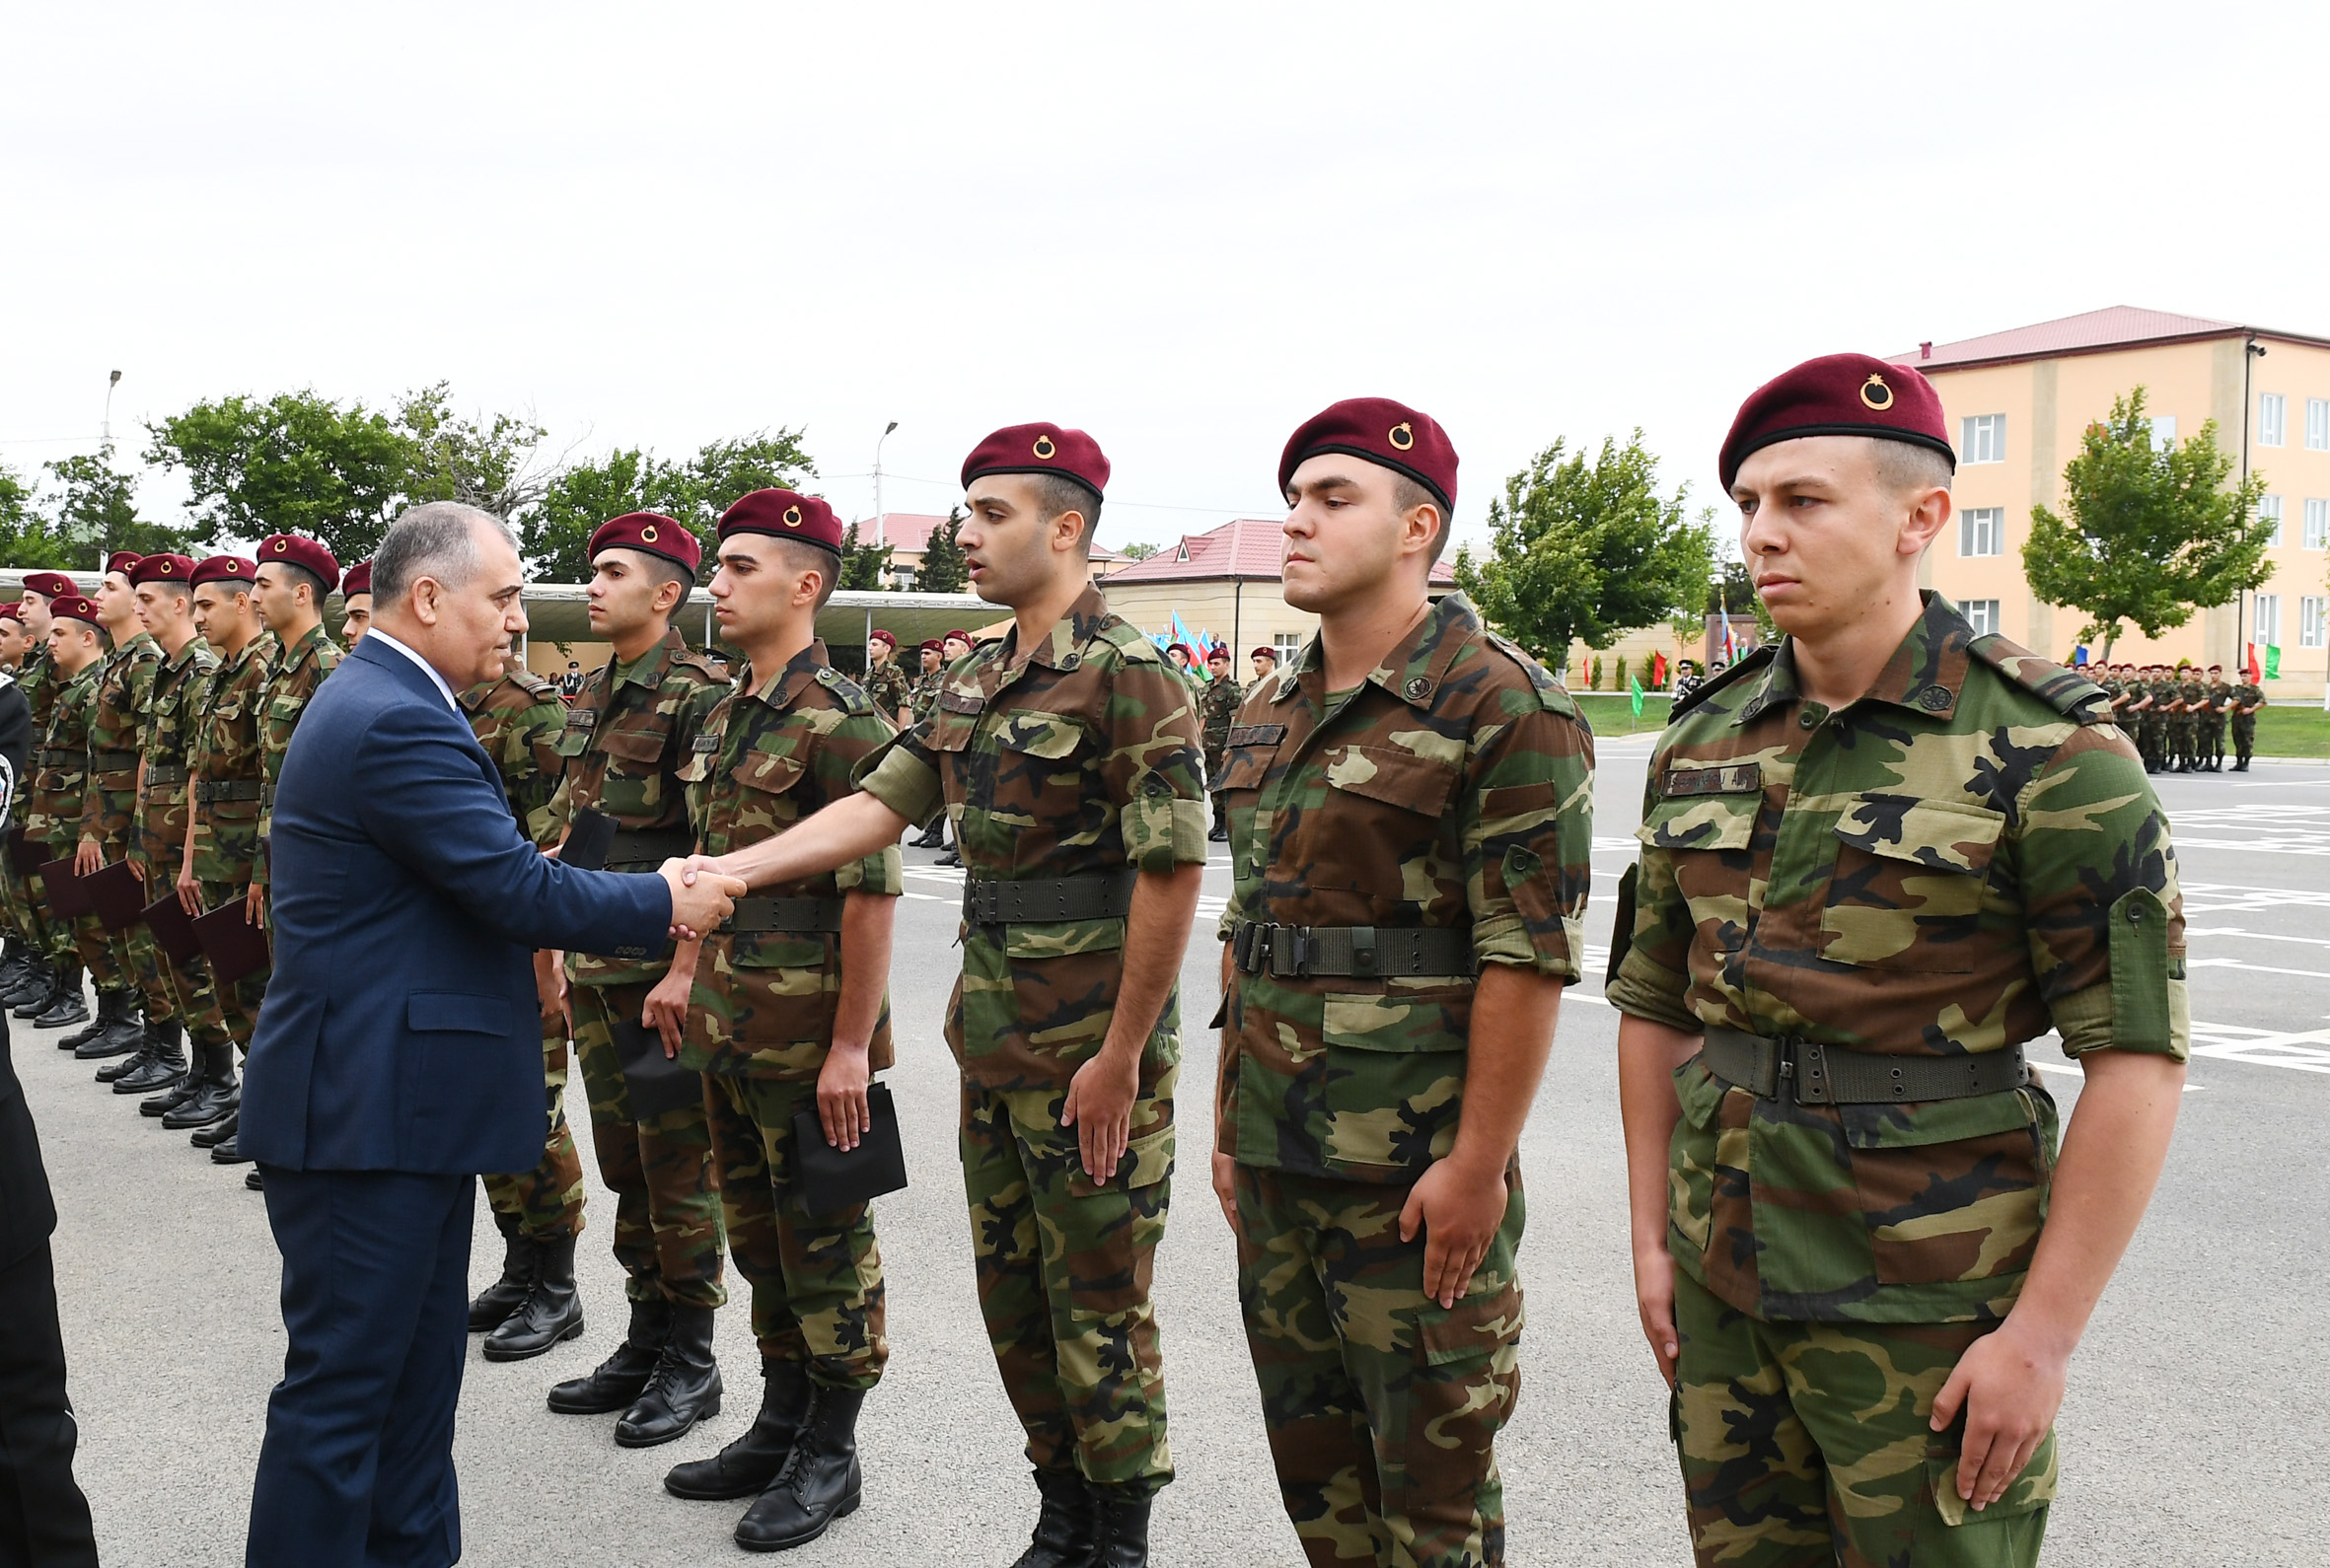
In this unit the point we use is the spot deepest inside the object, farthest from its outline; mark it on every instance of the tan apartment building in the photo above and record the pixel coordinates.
(2020, 402)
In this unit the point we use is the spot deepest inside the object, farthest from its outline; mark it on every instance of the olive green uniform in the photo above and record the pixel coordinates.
(2248, 695)
(228, 775)
(1866, 913)
(297, 672)
(1386, 844)
(888, 689)
(158, 845)
(52, 813)
(109, 799)
(37, 678)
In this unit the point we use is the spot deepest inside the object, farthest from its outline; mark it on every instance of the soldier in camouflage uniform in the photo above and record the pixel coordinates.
(1410, 822)
(2247, 698)
(1862, 888)
(225, 775)
(922, 697)
(295, 577)
(2184, 729)
(1217, 708)
(109, 816)
(52, 813)
(32, 987)
(2213, 720)
(790, 1012)
(519, 720)
(355, 593)
(885, 682)
(1068, 756)
(627, 737)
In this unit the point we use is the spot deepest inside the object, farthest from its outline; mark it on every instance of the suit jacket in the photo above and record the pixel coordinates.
(400, 1029)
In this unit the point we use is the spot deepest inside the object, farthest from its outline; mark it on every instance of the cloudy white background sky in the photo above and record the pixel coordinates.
(1183, 228)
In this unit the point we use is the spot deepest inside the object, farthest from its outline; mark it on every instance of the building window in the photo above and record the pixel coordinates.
(1288, 644)
(1982, 438)
(2317, 424)
(2268, 632)
(2163, 432)
(1981, 531)
(2317, 525)
(2269, 506)
(1982, 615)
(2309, 619)
(2272, 411)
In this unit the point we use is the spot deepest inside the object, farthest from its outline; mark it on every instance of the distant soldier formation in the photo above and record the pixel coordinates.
(1845, 924)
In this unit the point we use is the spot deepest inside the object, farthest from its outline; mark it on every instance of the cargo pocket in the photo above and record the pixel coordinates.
(1464, 1379)
(1908, 883)
(1393, 1088)
(1691, 1154)
(1953, 1191)
(1147, 1160)
(1953, 1535)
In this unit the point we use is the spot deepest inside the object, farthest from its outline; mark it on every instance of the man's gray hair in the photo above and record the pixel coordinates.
(437, 538)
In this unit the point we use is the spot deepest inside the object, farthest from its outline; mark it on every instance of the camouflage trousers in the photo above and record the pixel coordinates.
(667, 1191)
(1805, 1445)
(26, 912)
(1063, 1267)
(229, 1011)
(548, 1200)
(817, 1281)
(2244, 737)
(1383, 1407)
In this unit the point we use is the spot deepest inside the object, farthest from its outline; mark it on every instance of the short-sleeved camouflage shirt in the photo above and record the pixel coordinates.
(1951, 865)
(227, 750)
(764, 1001)
(1078, 758)
(300, 670)
(109, 801)
(922, 693)
(1217, 711)
(168, 731)
(52, 810)
(518, 719)
(1452, 788)
(887, 685)
(627, 737)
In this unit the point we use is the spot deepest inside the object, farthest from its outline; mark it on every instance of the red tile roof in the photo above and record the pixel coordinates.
(2092, 331)
(1248, 549)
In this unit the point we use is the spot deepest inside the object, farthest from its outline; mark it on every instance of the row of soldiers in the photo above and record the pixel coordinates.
(2178, 715)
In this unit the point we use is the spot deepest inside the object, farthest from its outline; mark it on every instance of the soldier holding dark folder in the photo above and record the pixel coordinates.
(791, 1019)
(77, 644)
(109, 812)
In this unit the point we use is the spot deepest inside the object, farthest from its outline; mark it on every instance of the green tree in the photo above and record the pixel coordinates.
(942, 558)
(864, 567)
(2149, 533)
(1138, 552)
(555, 532)
(1588, 549)
(27, 539)
(297, 462)
(493, 463)
(94, 510)
(698, 490)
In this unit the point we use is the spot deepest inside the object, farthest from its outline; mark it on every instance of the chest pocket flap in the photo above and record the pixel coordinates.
(1047, 736)
(1707, 822)
(1394, 776)
(770, 772)
(1939, 835)
(645, 749)
(1246, 766)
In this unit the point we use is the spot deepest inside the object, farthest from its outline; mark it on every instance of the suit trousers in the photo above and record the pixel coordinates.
(44, 1518)
(357, 1464)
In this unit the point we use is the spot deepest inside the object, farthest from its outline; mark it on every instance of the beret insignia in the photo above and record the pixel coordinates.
(281, 545)
(1045, 447)
(792, 517)
(648, 534)
(1874, 394)
(1402, 436)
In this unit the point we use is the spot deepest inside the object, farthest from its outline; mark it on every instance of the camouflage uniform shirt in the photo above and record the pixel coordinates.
(518, 719)
(1452, 788)
(297, 674)
(52, 809)
(1217, 709)
(224, 757)
(1080, 757)
(922, 693)
(887, 685)
(1956, 862)
(171, 710)
(627, 737)
(763, 761)
(108, 804)
(37, 678)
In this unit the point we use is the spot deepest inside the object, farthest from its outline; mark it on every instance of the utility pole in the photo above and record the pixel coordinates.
(881, 527)
(107, 429)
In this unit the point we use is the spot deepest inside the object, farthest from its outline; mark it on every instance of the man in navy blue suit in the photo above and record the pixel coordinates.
(400, 1050)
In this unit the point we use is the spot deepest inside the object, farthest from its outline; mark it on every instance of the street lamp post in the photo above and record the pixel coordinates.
(107, 429)
(880, 526)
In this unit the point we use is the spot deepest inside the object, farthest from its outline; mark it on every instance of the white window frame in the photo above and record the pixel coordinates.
(2273, 419)
(2312, 611)
(1982, 438)
(2163, 432)
(2317, 524)
(1288, 644)
(1982, 615)
(2270, 506)
(2317, 424)
(1980, 525)
(2266, 625)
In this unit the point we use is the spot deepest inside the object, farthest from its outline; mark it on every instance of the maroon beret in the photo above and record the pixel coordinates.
(297, 551)
(963, 637)
(1838, 394)
(1271, 654)
(49, 585)
(1384, 432)
(75, 606)
(12, 610)
(224, 569)
(177, 569)
(358, 580)
(784, 515)
(884, 638)
(122, 561)
(1180, 648)
(653, 532)
(1218, 652)
(1040, 448)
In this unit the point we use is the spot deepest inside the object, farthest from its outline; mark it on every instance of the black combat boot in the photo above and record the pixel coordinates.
(126, 1034)
(1064, 1529)
(228, 1149)
(490, 1305)
(71, 1007)
(747, 1466)
(619, 1379)
(37, 994)
(817, 1485)
(214, 1097)
(178, 1094)
(683, 1389)
(18, 976)
(165, 1062)
(221, 1130)
(103, 1038)
(1124, 1517)
(550, 1310)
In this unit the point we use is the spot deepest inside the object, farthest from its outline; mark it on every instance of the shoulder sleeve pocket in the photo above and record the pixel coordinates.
(2140, 972)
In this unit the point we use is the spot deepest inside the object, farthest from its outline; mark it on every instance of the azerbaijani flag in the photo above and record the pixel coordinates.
(1730, 648)
(1658, 670)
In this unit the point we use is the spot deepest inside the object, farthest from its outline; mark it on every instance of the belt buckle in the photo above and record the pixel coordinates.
(1289, 951)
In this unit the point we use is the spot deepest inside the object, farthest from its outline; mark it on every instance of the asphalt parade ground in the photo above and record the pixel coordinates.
(2193, 1431)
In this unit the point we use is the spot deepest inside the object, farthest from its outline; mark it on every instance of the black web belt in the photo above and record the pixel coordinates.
(59, 757)
(784, 914)
(1358, 951)
(648, 846)
(166, 776)
(1100, 895)
(112, 762)
(1813, 1074)
(227, 789)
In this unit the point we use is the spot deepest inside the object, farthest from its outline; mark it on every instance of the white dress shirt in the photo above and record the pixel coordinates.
(427, 668)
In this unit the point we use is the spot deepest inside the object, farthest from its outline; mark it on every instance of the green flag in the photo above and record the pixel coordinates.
(1638, 689)
(2273, 662)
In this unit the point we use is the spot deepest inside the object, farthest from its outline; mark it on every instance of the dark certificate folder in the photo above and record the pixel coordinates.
(235, 946)
(23, 855)
(826, 1179)
(173, 929)
(652, 1082)
(67, 896)
(116, 895)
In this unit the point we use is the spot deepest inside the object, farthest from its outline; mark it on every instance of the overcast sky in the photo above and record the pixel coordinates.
(1183, 228)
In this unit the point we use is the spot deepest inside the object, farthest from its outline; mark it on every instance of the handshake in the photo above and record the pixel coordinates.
(702, 897)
